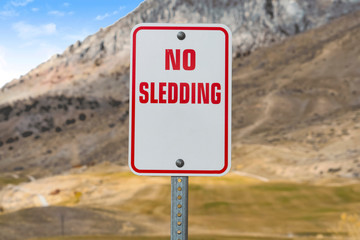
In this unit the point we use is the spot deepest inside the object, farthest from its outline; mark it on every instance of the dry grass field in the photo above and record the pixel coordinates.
(165, 238)
(229, 207)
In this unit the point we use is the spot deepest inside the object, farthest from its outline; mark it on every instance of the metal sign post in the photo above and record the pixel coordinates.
(179, 208)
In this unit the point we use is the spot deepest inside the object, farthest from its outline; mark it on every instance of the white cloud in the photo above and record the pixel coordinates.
(60, 13)
(106, 15)
(6, 74)
(47, 50)
(9, 9)
(80, 35)
(26, 31)
(35, 9)
(57, 13)
(2, 57)
(8, 13)
(66, 4)
(102, 17)
(20, 3)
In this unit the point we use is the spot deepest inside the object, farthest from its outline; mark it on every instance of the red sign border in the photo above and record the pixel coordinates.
(132, 131)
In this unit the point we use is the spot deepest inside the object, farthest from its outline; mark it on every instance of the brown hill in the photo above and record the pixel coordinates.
(294, 104)
(297, 105)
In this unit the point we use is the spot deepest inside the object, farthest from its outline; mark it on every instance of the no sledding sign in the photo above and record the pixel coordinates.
(180, 100)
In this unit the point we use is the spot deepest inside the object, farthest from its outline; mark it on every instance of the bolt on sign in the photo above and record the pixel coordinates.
(180, 100)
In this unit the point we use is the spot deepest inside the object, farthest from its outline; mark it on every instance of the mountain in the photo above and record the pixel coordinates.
(294, 91)
(91, 66)
(297, 113)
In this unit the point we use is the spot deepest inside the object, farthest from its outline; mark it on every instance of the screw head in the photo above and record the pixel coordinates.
(180, 163)
(181, 35)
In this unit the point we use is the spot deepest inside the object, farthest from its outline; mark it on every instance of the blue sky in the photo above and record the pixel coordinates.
(31, 31)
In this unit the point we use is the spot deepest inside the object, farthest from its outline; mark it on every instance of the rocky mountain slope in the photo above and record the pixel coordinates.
(291, 101)
(91, 66)
(299, 112)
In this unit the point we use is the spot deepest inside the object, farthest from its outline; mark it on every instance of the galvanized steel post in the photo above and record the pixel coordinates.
(179, 208)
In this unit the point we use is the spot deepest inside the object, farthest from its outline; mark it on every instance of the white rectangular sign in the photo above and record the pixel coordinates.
(180, 100)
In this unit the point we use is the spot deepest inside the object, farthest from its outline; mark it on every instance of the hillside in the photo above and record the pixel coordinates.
(295, 103)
